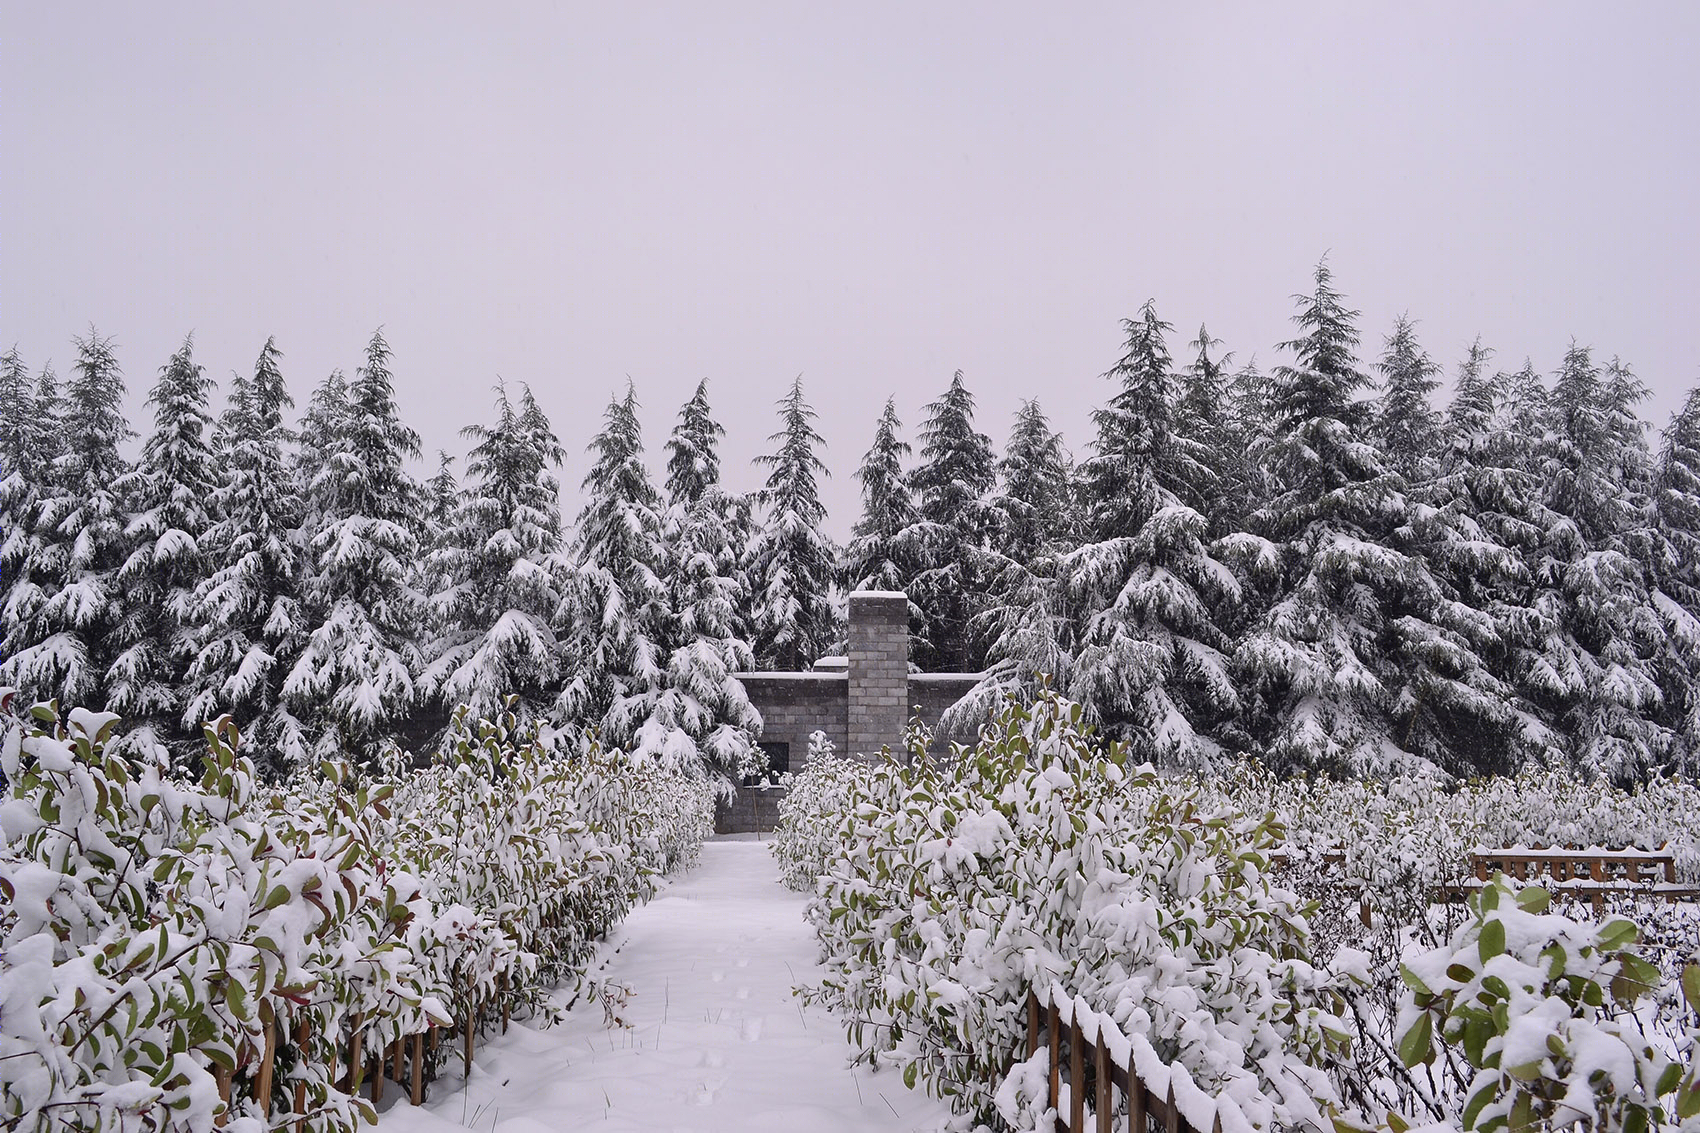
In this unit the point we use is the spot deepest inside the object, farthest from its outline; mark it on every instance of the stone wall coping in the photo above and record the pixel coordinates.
(879, 594)
(947, 678)
(785, 676)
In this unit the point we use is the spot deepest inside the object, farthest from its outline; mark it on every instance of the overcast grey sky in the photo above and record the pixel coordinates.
(872, 195)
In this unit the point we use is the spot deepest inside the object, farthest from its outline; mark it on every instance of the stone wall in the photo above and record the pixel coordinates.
(879, 671)
(930, 694)
(752, 810)
(792, 705)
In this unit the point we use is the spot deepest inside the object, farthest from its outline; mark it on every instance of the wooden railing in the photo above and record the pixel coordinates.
(406, 1058)
(1101, 1065)
(1593, 874)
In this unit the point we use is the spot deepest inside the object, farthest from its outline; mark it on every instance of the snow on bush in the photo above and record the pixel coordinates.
(1546, 1016)
(153, 929)
(1219, 920)
(1039, 856)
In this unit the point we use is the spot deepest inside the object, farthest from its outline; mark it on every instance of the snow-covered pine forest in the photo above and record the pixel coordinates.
(1322, 564)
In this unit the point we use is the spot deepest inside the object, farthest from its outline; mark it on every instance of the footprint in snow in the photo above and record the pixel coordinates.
(751, 1030)
(717, 976)
(743, 993)
(714, 1058)
(743, 961)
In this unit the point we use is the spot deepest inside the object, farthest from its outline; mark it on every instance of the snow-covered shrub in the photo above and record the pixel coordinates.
(805, 839)
(153, 930)
(1545, 1013)
(1040, 855)
(1218, 919)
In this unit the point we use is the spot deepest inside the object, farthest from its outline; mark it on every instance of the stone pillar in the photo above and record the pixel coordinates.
(879, 671)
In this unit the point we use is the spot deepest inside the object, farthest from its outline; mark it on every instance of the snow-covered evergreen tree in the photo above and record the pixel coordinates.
(1029, 621)
(1034, 502)
(1153, 663)
(353, 682)
(29, 443)
(702, 720)
(18, 452)
(248, 617)
(167, 493)
(1472, 526)
(1593, 668)
(952, 540)
(693, 460)
(615, 612)
(498, 562)
(791, 559)
(61, 615)
(876, 558)
(1406, 424)
(1676, 576)
(1346, 668)
(1204, 415)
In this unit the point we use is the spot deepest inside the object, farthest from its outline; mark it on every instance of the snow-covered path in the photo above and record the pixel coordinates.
(717, 1041)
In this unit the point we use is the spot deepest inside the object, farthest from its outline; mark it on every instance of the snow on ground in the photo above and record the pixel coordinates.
(717, 1041)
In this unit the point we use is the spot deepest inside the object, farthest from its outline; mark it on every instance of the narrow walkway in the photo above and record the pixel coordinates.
(716, 1039)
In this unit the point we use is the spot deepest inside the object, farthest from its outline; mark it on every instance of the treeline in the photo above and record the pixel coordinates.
(1323, 570)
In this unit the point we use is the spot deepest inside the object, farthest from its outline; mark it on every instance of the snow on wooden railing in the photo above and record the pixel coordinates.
(406, 1058)
(1593, 873)
(1160, 1097)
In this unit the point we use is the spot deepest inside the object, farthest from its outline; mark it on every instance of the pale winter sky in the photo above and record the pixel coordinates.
(871, 195)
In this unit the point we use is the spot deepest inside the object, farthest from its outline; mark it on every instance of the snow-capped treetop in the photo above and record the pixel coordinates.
(1406, 423)
(693, 460)
(1034, 500)
(791, 564)
(875, 558)
(248, 617)
(496, 563)
(168, 495)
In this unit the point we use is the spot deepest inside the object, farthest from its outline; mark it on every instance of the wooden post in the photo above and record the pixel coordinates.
(398, 1055)
(419, 1068)
(1103, 1100)
(1055, 1022)
(506, 1003)
(303, 1035)
(1076, 1074)
(466, 1037)
(1173, 1125)
(1032, 1023)
(263, 1084)
(221, 1075)
(356, 1068)
(1481, 867)
(377, 1073)
(1632, 870)
(1136, 1119)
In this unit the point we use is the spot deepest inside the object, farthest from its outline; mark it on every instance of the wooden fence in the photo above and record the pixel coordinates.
(406, 1058)
(1098, 1067)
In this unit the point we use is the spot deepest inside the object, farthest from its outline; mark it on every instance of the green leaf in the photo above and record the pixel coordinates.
(1534, 899)
(1616, 933)
(1491, 942)
(1691, 986)
(1417, 1044)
